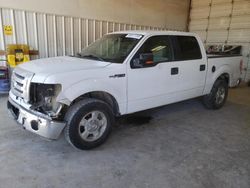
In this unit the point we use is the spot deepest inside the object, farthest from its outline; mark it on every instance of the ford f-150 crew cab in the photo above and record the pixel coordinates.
(121, 73)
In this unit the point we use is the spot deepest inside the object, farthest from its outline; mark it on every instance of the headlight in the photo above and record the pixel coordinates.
(43, 96)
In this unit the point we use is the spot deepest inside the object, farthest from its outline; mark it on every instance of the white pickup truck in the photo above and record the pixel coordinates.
(121, 73)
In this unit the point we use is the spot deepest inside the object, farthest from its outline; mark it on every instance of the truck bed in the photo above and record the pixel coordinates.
(231, 63)
(222, 55)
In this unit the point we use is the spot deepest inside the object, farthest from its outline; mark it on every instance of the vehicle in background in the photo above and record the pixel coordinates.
(4, 80)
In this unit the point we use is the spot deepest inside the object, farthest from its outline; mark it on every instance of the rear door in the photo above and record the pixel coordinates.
(178, 73)
(191, 65)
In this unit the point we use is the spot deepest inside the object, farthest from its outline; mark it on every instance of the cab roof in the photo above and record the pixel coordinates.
(150, 32)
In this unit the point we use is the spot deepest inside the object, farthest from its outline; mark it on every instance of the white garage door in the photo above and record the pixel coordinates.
(223, 22)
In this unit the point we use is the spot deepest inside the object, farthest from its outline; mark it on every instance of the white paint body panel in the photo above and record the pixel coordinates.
(155, 86)
(140, 89)
(229, 65)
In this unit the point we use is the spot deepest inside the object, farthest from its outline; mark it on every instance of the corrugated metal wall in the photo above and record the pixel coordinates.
(223, 22)
(56, 35)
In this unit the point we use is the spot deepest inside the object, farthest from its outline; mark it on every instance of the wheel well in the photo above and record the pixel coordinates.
(224, 76)
(103, 96)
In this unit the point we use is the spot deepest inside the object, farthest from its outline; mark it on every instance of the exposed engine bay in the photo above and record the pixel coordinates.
(43, 98)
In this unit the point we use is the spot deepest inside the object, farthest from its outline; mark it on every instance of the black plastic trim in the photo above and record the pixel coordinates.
(221, 56)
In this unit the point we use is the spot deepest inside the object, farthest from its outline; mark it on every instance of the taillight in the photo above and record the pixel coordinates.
(241, 66)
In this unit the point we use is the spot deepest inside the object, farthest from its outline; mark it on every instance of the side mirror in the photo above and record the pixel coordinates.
(144, 60)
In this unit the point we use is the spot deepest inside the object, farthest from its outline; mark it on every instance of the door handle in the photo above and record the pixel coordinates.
(174, 70)
(202, 67)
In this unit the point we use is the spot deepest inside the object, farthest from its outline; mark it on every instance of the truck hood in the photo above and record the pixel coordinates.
(56, 65)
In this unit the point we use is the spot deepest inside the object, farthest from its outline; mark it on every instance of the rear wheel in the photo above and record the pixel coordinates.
(89, 123)
(218, 95)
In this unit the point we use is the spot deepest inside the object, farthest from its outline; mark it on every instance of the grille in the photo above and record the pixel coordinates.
(20, 83)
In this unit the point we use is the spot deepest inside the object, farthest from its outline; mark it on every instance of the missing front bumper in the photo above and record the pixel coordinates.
(33, 122)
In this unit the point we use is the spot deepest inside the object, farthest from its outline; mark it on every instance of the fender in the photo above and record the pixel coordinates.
(91, 85)
(224, 69)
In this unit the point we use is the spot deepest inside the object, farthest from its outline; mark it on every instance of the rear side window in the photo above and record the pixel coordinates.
(186, 48)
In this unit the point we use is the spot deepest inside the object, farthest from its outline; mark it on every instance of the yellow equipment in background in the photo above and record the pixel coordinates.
(17, 54)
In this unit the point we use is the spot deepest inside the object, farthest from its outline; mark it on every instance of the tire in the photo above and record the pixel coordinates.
(85, 123)
(213, 100)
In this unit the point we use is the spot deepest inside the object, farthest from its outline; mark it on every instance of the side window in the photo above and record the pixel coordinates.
(186, 48)
(158, 46)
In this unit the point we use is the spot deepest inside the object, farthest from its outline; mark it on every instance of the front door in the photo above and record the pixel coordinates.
(171, 77)
(147, 84)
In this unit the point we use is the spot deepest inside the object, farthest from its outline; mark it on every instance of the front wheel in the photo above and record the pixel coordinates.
(89, 123)
(218, 95)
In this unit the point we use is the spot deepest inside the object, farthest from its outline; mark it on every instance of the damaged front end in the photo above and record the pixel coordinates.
(34, 105)
(43, 99)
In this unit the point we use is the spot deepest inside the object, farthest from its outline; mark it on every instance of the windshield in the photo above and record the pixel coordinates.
(112, 48)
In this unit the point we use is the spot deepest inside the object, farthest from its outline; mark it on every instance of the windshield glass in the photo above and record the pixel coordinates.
(112, 48)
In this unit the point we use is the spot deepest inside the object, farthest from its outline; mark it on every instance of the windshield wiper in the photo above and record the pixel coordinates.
(91, 57)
